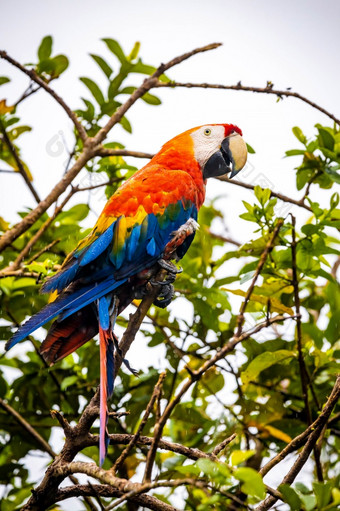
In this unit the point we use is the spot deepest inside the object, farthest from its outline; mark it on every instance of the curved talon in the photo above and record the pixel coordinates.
(165, 296)
(169, 266)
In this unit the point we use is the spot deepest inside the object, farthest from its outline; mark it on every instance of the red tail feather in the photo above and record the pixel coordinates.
(66, 336)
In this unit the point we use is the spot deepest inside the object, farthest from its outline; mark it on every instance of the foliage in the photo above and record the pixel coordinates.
(267, 408)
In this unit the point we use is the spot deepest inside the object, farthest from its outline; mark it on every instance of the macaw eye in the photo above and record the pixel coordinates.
(207, 132)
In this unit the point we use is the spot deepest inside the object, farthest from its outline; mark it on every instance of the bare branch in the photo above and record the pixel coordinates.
(25, 425)
(148, 84)
(21, 168)
(280, 196)
(105, 490)
(312, 439)
(268, 248)
(105, 151)
(262, 90)
(135, 438)
(300, 439)
(305, 380)
(36, 78)
(223, 444)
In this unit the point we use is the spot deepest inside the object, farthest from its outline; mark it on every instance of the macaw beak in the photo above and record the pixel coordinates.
(231, 157)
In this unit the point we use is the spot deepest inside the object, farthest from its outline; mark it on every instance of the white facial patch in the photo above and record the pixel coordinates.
(205, 143)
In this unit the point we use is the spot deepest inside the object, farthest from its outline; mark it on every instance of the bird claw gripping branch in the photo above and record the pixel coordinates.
(148, 221)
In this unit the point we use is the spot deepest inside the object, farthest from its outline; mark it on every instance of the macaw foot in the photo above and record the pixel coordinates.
(120, 353)
(169, 267)
(165, 296)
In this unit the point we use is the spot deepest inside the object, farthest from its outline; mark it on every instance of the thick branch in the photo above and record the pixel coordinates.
(262, 90)
(11, 235)
(105, 490)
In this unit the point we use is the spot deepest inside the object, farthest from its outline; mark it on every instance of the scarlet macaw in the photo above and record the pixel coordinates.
(150, 218)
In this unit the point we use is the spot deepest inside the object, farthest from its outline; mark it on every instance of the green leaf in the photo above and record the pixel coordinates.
(134, 52)
(68, 381)
(94, 89)
(262, 194)
(126, 124)
(291, 497)
(333, 175)
(252, 482)
(45, 48)
(104, 66)
(295, 152)
(61, 63)
(323, 493)
(299, 135)
(142, 68)
(151, 99)
(262, 362)
(237, 457)
(325, 138)
(74, 214)
(250, 149)
(269, 301)
(4, 79)
(116, 49)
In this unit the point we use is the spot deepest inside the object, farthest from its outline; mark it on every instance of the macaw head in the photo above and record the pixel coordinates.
(213, 149)
(219, 149)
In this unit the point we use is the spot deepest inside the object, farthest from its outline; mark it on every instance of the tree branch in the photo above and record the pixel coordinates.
(300, 439)
(36, 78)
(312, 439)
(21, 168)
(262, 90)
(105, 490)
(156, 393)
(280, 196)
(268, 248)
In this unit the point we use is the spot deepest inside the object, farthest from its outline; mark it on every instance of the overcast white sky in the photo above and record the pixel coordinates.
(292, 43)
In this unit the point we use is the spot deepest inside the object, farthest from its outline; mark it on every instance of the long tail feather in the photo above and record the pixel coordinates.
(106, 388)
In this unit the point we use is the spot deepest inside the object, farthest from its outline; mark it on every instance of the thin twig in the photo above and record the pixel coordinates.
(135, 438)
(300, 439)
(268, 248)
(25, 425)
(305, 380)
(280, 196)
(19, 163)
(223, 444)
(26, 250)
(36, 78)
(43, 250)
(304, 455)
(156, 438)
(262, 90)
